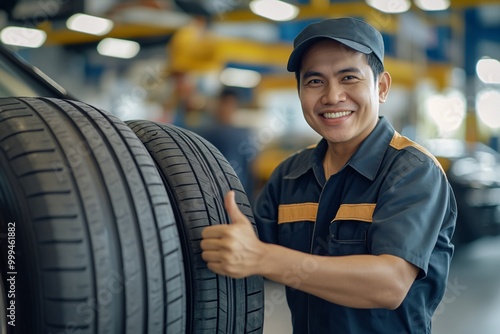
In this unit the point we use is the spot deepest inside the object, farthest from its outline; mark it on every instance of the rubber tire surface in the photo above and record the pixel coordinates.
(197, 178)
(96, 243)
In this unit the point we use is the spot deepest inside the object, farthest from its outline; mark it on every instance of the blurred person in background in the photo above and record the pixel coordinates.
(234, 142)
(191, 50)
(187, 104)
(358, 227)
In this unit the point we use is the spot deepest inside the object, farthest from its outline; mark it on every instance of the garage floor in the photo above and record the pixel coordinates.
(471, 303)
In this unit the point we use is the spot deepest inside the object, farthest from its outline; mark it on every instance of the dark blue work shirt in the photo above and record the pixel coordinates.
(392, 197)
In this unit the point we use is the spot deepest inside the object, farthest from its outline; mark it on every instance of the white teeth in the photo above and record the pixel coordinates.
(336, 114)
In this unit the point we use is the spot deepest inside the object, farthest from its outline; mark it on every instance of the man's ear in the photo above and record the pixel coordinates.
(384, 85)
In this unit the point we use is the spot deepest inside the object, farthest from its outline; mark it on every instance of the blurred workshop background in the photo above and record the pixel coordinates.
(221, 64)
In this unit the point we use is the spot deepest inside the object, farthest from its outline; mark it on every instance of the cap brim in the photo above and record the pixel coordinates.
(296, 55)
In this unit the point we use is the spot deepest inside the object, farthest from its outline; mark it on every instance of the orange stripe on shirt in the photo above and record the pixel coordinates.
(291, 213)
(362, 212)
(400, 142)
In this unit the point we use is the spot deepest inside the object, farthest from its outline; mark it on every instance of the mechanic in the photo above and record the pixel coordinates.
(358, 227)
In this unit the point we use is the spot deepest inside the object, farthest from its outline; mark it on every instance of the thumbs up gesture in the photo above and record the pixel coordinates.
(233, 249)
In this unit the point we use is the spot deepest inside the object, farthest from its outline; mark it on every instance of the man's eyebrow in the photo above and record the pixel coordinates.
(309, 74)
(349, 70)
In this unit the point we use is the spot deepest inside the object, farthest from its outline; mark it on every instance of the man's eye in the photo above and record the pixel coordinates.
(349, 77)
(314, 82)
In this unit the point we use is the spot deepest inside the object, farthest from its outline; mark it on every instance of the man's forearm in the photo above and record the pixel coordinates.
(359, 281)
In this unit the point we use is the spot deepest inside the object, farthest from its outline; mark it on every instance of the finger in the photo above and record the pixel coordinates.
(211, 256)
(232, 209)
(216, 267)
(214, 231)
(210, 244)
(220, 269)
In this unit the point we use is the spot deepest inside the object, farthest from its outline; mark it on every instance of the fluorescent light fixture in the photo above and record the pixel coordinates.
(25, 37)
(118, 48)
(488, 70)
(390, 6)
(274, 9)
(487, 103)
(447, 111)
(236, 77)
(433, 5)
(89, 24)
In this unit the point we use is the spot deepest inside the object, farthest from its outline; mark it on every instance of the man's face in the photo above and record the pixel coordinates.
(338, 92)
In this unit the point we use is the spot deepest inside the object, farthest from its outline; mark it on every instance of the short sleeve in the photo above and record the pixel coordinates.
(416, 207)
(266, 209)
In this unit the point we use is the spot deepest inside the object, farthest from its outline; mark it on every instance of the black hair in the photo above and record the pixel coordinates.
(374, 63)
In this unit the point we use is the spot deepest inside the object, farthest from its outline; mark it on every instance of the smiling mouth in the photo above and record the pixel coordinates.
(333, 115)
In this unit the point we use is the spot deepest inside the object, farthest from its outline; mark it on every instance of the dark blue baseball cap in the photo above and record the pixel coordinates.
(353, 33)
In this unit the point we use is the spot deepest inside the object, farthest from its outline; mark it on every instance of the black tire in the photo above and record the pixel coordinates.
(86, 212)
(197, 177)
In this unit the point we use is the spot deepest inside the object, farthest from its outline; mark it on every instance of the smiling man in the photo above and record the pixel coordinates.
(358, 227)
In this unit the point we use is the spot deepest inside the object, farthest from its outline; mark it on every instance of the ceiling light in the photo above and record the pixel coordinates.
(432, 5)
(236, 77)
(487, 103)
(25, 37)
(488, 70)
(89, 24)
(390, 6)
(274, 9)
(118, 48)
(447, 110)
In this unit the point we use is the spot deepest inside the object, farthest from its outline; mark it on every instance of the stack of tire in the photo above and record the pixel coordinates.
(101, 221)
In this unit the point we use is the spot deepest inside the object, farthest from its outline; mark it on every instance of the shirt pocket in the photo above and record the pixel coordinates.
(348, 237)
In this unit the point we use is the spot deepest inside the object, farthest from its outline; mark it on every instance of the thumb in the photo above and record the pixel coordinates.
(235, 215)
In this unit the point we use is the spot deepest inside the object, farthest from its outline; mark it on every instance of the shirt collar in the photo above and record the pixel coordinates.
(312, 161)
(366, 160)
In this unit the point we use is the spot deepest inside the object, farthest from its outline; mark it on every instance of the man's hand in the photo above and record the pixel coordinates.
(233, 249)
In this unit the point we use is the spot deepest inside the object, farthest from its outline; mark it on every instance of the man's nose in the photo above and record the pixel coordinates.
(333, 94)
